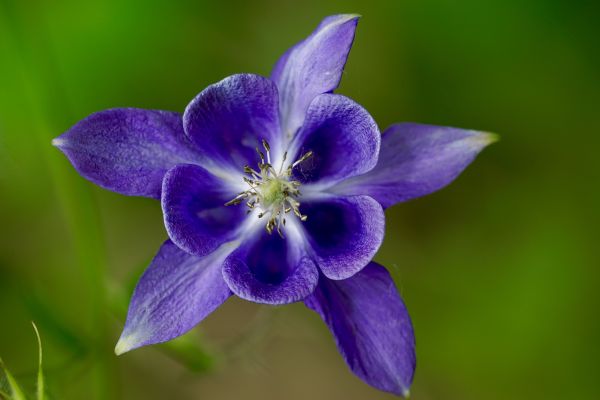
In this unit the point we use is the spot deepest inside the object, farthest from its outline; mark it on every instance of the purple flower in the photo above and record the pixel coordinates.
(273, 189)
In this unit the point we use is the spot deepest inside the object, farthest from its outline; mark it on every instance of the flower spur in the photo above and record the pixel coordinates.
(322, 184)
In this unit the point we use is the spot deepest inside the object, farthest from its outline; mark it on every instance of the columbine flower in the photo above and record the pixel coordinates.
(274, 190)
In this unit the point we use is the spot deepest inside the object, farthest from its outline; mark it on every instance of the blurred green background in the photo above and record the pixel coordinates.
(499, 270)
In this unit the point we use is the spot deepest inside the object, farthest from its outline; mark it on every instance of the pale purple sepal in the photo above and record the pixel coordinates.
(371, 327)
(312, 67)
(175, 293)
(416, 160)
(127, 150)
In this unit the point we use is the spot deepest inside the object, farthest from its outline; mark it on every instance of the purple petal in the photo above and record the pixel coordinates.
(193, 203)
(371, 327)
(345, 233)
(416, 160)
(175, 293)
(271, 270)
(127, 150)
(228, 120)
(312, 67)
(343, 137)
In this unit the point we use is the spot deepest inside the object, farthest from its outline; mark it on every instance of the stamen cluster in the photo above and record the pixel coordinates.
(271, 190)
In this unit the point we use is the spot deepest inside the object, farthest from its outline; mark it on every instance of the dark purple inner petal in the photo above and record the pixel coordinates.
(330, 225)
(268, 260)
(269, 269)
(323, 161)
(195, 214)
(228, 120)
(345, 233)
(343, 137)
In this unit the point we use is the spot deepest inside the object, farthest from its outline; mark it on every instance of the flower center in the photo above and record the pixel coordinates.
(271, 191)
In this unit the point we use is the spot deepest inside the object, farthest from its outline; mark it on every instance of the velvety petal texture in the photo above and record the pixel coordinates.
(176, 292)
(228, 120)
(343, 137)
(312, 67)
(416, 160)
(344, 233)
(127, 150)
(271, 270)
(371, 327)
(193, 203)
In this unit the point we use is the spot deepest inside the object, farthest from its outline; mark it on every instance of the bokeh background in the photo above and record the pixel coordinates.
(499, 270)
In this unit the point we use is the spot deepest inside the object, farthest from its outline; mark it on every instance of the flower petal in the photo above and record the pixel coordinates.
(345, 233)
(175, 293)
(127, 150)
(343, 138)
(228, 120)
(312, 67)
(271, 270)
(416, 160)
(371, 327)
(193, 203)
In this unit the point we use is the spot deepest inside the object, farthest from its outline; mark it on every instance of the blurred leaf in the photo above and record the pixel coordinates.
(120, 293)
(15, 389)
(188, 351)
(54, 326)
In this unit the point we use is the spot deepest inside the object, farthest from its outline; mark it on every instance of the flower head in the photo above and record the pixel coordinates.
(273, 189)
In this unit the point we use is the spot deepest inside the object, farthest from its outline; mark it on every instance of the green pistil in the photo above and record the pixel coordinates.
(273, 192)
